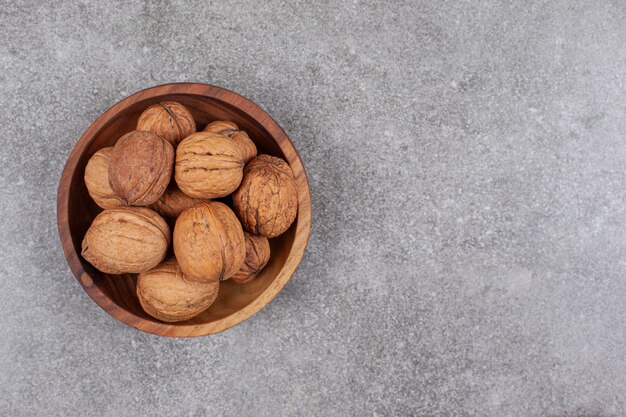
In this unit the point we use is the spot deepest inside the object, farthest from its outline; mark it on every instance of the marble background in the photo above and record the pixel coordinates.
(467, 169)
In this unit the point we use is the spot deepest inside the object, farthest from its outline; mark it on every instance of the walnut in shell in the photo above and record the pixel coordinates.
(141, 167)
(167, 295)
(267, 200)
(230, 129)
(168, 119)
(208, 165)
(97, 180)
(126, 240)
(173, 202)
(257, 256)
(208, 242)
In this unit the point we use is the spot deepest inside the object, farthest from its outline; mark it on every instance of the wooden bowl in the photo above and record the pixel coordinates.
(76, 210)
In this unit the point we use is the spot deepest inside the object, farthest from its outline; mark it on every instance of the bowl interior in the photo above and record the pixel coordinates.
(120, 290)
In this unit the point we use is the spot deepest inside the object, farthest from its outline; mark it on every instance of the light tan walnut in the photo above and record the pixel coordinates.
(173, 202)
(126, 240)
(97, 180)
(230, 129)
(257, 256)
(208, 242)
(168, 119)
(266, 202)
(208, 165)
(167, 295)
(141, 167)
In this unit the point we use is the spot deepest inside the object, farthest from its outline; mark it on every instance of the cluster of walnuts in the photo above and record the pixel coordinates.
(166, 174)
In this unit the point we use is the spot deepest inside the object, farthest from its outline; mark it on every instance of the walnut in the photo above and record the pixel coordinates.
(267, 200)
(222, 127)
(126, 240)
(141, 167)
(208, 165)
(97, 180)
(165, 294)
(208, 242)
(257, 256)
(173, 202)
(168, 119)
(230, 129)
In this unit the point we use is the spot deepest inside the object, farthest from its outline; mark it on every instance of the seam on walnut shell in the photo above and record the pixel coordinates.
(164, 145)
(174, 118)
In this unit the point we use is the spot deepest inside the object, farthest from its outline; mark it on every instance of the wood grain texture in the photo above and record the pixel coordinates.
(75, 210)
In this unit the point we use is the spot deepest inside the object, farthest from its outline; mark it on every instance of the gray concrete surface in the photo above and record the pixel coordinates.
(467, 165)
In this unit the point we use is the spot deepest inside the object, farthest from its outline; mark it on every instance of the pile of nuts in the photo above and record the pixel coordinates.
(166, 174)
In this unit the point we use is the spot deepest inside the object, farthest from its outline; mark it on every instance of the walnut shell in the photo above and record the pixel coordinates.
(173, 202)
(230, 129)
(126, 240)
(168, 119)
(257, 256)
(208, 165)
(141, 167)
(165, 294)
(222, 127)
(267, 200)
(97, 180)
(208, 242)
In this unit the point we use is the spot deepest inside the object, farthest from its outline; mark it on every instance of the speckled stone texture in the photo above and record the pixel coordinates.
(467, 168)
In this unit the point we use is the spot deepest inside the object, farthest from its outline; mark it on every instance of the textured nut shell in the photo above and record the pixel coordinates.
(208, 165)
(97, 180)
(257, 256)
(168, 119)
(141, 167)
(208, 242)
(126, 240)
(267, 200)
(230, 129)
(173, 202)
(165, 294)
(222, 127)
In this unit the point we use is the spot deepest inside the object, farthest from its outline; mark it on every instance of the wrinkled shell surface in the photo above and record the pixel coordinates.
(230, 129)
(168, 119)
(126, 240)
(267, 200)
(141, 167)
(257, 256)
(97, 180)
(222, 127)
(173, 202)
(208, 242)
(165, 294)
(208, 165)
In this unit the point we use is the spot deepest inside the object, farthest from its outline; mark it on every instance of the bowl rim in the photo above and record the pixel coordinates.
(303, 219)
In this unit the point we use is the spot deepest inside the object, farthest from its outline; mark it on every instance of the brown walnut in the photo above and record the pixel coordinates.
(173, 202)
(208, 165)
(167, 295)
(141, 167)
(230, 129)
(126, 240)
(257, 256)
(168, 119)
(208, 242)
(97, 180)
(222, 127)
(266, 202)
